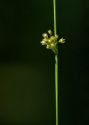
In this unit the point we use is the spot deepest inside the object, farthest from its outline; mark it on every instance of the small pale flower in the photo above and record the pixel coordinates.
(49, 32)
(48, 46)
(52, 45)
(52, 38)
(62, 40)
(43, 42)
(49, 41)
(45, 35)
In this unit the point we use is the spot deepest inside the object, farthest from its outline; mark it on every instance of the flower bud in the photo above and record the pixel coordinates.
(45, 35)
(43, 42)
(48, 46)
(62, 40)
(49, 32)
(52, 45)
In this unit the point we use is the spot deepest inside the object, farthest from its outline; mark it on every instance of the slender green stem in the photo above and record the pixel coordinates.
(54, 7)
(56, 87)
(56, 65)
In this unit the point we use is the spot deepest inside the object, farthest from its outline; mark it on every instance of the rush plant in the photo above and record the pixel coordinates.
(51, 40)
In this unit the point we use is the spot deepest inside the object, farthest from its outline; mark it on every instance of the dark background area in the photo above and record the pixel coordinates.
(27, 69)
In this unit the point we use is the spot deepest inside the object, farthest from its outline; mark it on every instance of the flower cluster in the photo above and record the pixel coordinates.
(51, 41)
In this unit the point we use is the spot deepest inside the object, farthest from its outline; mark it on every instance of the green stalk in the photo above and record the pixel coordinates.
(56, 65)
(56, 87)
(55, 25)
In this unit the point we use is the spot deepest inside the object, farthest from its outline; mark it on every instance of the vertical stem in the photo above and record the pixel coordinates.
(56, 65)
(54, 8)
(56, 87)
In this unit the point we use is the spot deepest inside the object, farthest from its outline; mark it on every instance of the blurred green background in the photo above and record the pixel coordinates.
(27, 69)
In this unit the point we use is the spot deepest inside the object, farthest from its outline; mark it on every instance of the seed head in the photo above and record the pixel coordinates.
(51, 41)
